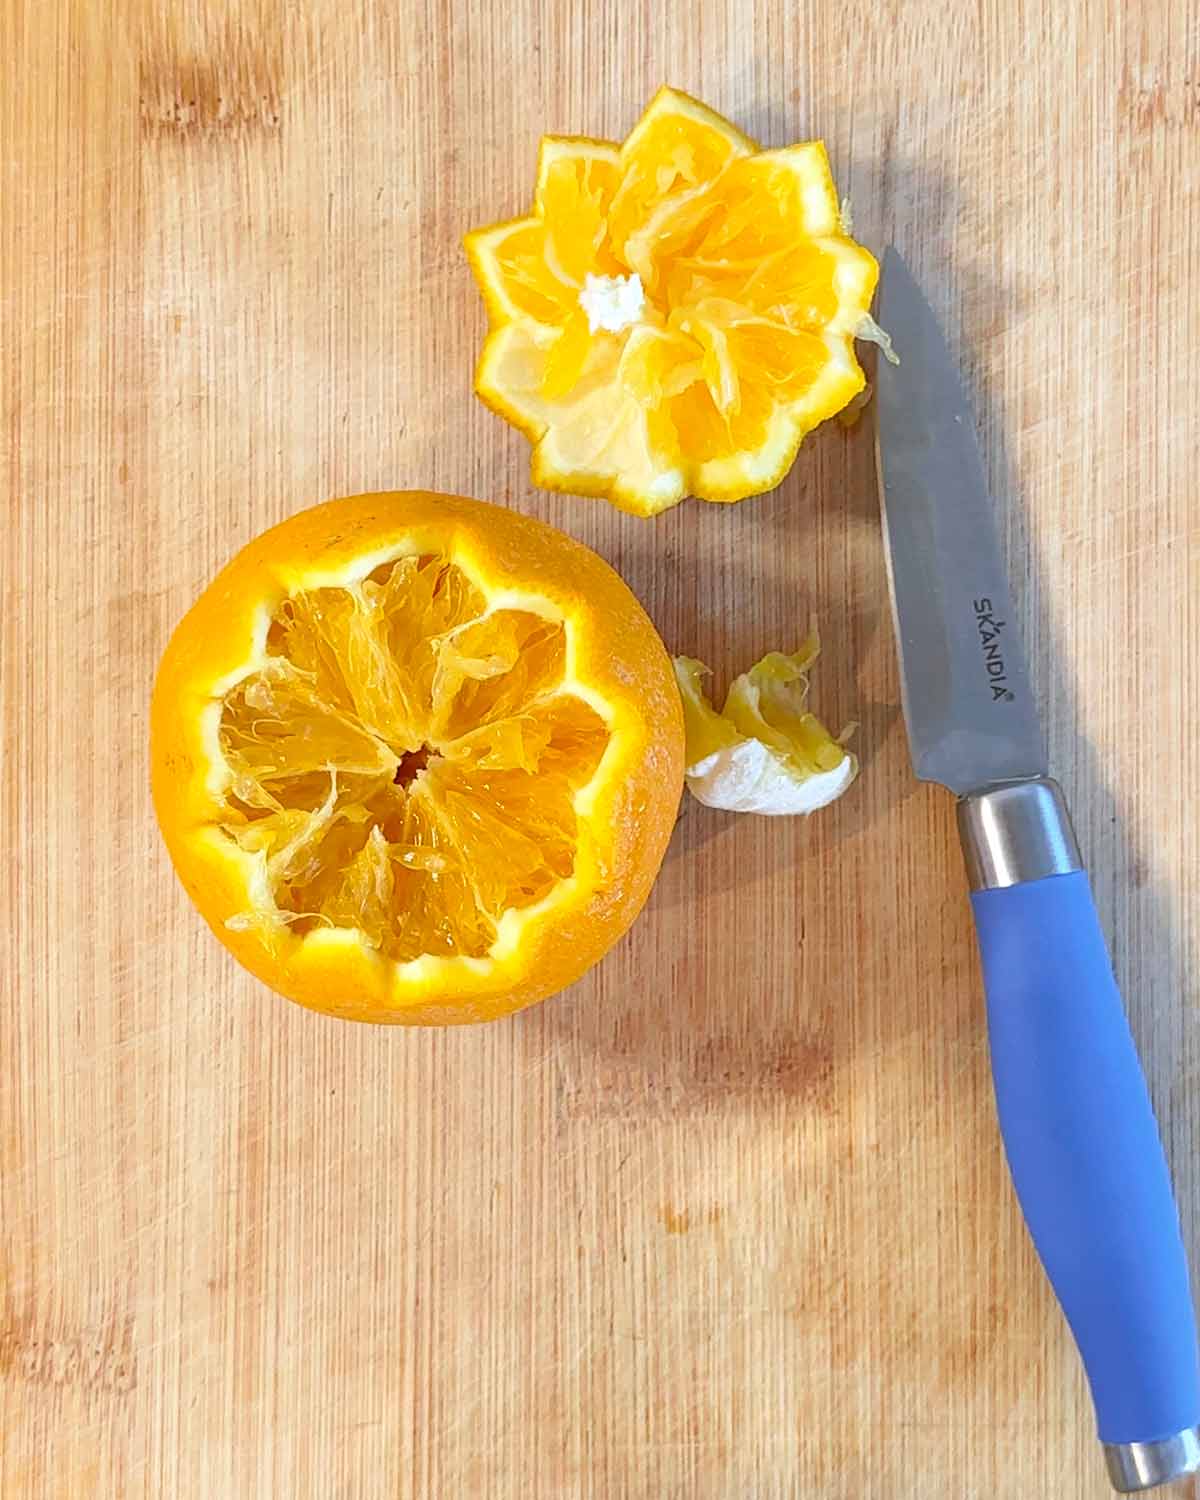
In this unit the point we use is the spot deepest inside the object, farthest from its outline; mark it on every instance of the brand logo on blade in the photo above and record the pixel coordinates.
(993, 654)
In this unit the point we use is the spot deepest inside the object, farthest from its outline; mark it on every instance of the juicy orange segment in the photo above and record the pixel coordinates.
(416, 758)
(443, 793)
(675, 314)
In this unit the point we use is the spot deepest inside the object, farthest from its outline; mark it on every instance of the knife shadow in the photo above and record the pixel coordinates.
(1139, 916)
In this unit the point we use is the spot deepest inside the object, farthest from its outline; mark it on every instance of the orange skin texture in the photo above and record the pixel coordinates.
(618, 654)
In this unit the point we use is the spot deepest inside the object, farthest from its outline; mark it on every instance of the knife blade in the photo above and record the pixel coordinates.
(1079, 1130)
(967, 701)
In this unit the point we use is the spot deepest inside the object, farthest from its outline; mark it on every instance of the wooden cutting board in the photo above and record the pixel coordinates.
(728, 1221)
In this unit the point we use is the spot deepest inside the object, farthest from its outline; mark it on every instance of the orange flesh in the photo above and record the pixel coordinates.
(753, 293)
(406, 762)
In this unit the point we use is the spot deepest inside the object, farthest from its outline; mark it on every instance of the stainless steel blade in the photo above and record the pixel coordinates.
(971, 717)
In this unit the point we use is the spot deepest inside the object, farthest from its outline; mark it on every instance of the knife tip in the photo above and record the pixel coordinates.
(893, 267)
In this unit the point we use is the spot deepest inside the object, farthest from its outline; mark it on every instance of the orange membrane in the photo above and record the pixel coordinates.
(406, 762)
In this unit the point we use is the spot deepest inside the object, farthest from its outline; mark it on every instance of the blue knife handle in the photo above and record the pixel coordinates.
(1084, 1150)
(1080, 1134)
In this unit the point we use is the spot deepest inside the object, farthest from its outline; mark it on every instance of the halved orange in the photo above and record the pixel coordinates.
(416, 758)
(676, 313)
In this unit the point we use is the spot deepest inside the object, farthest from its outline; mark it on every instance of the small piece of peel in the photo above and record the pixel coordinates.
(764, 752)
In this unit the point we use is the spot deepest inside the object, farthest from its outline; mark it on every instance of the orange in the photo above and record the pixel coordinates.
(676, 313)
(416, 758)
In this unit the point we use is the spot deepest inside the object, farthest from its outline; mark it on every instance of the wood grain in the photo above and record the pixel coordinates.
(729, 1220)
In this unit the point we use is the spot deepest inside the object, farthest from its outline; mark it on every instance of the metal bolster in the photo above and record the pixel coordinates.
(1142, 1466)
(1016, 832)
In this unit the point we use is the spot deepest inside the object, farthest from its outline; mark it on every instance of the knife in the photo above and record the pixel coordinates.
(1078, 1127)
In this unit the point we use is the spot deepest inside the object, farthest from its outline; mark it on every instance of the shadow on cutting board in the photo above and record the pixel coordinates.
(806, 1013)
(717, 998)
(738, 581)
(823, 975)
(774, 953)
